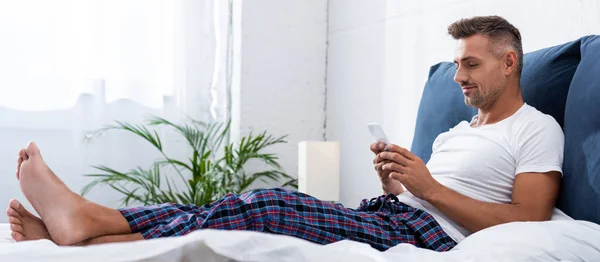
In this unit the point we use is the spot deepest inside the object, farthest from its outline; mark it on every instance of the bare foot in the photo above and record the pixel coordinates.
(68, 217)
(49, 196)
(24, 225)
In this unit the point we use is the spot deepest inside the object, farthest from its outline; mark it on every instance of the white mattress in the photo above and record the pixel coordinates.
(532, 241)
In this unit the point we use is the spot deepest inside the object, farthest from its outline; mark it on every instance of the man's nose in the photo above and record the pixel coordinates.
(460, 76)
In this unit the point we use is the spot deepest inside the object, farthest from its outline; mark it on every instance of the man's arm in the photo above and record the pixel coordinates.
(533, 199)
(534, 194)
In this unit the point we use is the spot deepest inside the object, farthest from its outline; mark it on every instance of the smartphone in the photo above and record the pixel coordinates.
(377, 133)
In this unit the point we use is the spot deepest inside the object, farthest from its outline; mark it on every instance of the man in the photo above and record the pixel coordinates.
(502, 166)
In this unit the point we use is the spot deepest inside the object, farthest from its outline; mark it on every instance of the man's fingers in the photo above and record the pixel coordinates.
(397, 176)
(374, 148)
(377, 159)
(379, 167)
(394, 157)
(394, 167)
(401, 150)
(377, 147)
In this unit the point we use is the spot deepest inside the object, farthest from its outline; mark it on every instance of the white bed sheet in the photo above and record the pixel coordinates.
(532, 241)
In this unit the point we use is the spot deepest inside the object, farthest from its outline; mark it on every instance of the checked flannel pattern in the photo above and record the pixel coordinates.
(382, 222)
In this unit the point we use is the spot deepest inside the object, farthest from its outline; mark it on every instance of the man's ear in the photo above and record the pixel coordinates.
(510, 62)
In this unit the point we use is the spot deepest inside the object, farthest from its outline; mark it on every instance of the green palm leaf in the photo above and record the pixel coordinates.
(214, 168)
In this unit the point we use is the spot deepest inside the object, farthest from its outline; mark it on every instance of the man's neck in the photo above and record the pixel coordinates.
(505, 106)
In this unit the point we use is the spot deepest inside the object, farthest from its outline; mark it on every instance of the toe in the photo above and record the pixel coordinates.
(14, 204)
(19, 208)
(17, 236)
(23, 155)
(32, 149)
(15, 220)
(19, 162)
(16, 228)
(11, 212)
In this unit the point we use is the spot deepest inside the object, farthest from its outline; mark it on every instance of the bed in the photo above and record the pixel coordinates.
(563, 81)
(564, 240)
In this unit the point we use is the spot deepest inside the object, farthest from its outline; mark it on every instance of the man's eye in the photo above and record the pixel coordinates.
(472, 65)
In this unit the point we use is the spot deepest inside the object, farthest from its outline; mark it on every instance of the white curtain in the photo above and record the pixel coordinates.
(68, 67)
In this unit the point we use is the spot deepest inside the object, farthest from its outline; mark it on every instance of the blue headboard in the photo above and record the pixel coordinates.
(561, 81)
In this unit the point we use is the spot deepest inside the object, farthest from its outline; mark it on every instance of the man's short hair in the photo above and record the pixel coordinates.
(503, 35)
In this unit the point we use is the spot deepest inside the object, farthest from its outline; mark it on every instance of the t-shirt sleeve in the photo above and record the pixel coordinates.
(540, 145)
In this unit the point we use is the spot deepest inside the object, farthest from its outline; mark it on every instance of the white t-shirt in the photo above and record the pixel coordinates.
(482, 162)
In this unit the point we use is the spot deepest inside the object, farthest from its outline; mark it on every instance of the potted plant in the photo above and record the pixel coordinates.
(211, 171)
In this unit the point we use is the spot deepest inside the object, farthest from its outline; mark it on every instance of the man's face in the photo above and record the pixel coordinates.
(479, 71)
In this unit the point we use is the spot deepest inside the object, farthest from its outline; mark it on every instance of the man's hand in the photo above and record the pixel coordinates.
(388, 184)
(410, 170)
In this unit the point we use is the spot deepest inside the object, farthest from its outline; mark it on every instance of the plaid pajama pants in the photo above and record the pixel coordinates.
(382, 222)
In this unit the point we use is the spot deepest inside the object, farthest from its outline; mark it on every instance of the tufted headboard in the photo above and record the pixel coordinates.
(562, 81)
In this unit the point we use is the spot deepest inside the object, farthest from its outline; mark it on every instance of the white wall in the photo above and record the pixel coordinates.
(380, 53)
(279, 81)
